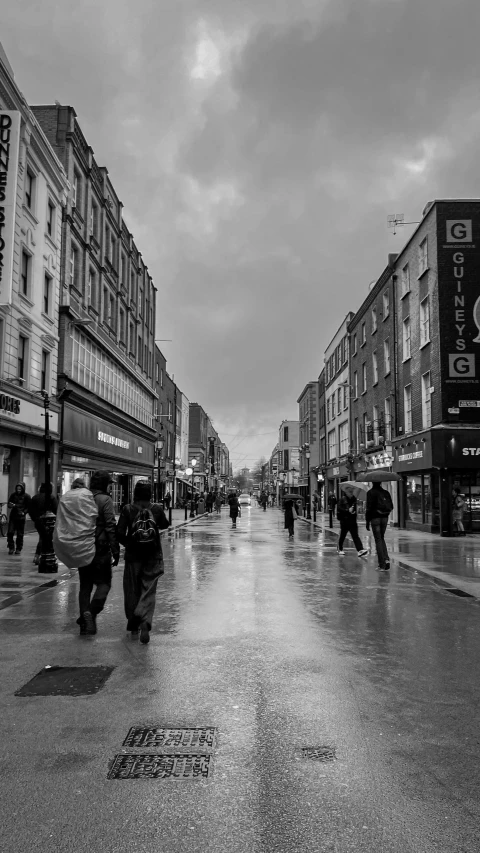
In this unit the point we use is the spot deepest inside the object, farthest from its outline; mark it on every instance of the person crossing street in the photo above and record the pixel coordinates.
(347, 516)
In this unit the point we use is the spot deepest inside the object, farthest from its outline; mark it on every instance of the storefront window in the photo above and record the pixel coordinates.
(427, 501)
(414, 498)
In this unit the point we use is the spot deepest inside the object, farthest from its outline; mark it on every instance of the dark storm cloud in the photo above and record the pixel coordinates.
(258, 148)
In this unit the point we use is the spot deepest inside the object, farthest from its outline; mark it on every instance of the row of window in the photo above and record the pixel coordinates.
(337, 360)
(26, 368)
(30, 201)
(336, 402)
(424, 327)
(27, 288)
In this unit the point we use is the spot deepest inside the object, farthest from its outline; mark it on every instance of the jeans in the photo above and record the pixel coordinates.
(379, 526)
(99, 574)
(140, 578)
(349, 525)
(15, 526)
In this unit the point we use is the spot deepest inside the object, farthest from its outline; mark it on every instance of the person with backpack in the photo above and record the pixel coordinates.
(38, 506)
(98, 572)
(234, 508)
(458, 507)
(19, 506)
(347, 516)
(138, 529)
(379, 507)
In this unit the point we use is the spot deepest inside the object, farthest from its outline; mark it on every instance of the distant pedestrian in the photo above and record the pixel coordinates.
(201, 505)
(234, 508)
(167, 501)
(264, 501)
(19, 506)
(218, 502)
(379, 507)
(107, 551)
(290, 514)
(138, 529)
(38, 505)
(458, 508)
(347, 516)
(332, 502)
(209, 501)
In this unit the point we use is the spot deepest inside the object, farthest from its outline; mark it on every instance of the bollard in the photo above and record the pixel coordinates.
(186, 510)
(170, 515)
(330, 513)
(314, 512)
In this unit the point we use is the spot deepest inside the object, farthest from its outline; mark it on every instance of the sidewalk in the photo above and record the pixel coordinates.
(20, 578)
(454, 561)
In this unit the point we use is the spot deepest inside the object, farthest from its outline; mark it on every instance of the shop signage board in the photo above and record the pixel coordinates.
(458, 449)
(89, 433)
(9, 151)
(458, 242)
(20, 411)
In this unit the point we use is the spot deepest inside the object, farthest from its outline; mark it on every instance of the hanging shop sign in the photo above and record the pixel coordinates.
(9, 149)
(89, 434)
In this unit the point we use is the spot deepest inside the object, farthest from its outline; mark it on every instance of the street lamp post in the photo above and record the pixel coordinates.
(158, 448)
(48, 561)
(307, 455)
(192, 513)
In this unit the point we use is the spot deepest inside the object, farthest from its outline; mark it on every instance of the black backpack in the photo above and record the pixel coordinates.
(384, 503)
(145, 530)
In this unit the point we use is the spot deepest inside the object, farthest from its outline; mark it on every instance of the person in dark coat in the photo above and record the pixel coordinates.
(37, 509)
(167, 501)
(234, 508)
(379, 507)
(209, 501)
(19, 506)
(347, 516)
(99, 572)
(264, 501)
(288, 508)
(143, 563)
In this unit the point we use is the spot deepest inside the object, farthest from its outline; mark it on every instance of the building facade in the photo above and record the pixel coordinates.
(289, 458)
(321, 441)
(309, 452)
(33, 191)
(372, 380)
(337, 405)
(197, 445)
(107, 323)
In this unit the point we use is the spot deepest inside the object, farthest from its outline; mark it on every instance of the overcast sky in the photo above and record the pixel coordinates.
(258, 147)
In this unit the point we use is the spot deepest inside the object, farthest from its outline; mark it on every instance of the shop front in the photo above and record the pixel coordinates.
(334, 475)
(419, 489)
(91, 443)
(378, 460)
(22, 444)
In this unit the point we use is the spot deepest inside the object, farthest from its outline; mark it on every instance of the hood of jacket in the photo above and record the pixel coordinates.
(20, 486)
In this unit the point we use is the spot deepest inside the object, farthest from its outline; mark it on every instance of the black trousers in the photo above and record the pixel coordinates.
(98, 574)
(349, 525)
(16, 526)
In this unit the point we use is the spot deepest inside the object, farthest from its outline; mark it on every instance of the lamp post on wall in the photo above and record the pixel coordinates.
(192, 504)
(307, 456)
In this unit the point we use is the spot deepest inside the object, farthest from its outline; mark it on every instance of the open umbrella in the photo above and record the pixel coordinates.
(292, 497)
(359, 489)
(379, 476)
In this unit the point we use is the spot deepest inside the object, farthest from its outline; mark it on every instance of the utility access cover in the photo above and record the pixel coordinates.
(66, 681)
(175, 738)
(319, 753)
(174, 766)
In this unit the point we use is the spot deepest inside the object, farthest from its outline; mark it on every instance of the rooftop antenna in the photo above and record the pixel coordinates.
(396, 219)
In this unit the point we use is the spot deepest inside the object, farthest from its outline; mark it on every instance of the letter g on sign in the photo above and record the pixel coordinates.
(462, 366)
(459, 230)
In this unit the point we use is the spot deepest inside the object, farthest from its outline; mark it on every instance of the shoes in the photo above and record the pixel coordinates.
(341, 553)
(363, 552)
(36, 560)
(90, 622)
(17, 553)
(144, 633)
(382, 569)
(11, 551)
(387, 565)
(83, 627)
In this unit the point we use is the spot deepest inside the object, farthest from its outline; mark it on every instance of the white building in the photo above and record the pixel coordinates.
(33, 189)
(337, 406)
(288, 457)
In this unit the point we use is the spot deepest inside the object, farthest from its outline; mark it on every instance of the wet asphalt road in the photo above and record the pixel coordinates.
(280, 645)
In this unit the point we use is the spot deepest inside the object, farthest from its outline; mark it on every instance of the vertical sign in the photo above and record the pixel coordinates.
(458, 236)
(9, 148)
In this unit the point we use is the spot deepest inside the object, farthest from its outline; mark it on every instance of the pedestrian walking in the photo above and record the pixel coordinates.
(332, 502)
(201, 505)
(264, 501)
(166, 501)
(291, 515)
(234, 509)
(458, 508)
(347, 516)
(138, 529)
(19, 506)
(98, 573)
(379, 507)
(209, 501)
(196, 502)
(38, 506)
(218, 502)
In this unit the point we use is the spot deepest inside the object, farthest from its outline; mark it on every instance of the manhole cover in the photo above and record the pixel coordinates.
(201, 738)
(66, 681)
(319, 753)
(173, 766)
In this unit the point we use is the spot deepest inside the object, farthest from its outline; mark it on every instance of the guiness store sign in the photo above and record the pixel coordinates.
(86, 435)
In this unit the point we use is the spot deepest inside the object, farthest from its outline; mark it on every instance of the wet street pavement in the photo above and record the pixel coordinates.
(279, 645)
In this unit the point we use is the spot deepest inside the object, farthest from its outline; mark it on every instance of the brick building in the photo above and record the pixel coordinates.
(33, 190)
(337, 400)
(107, 322)
(372, 379)
(308, 419)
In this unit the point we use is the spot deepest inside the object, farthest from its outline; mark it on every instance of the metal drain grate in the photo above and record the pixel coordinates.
(319, 753)
(189, 738)
(174, 766)
(66, 681)
(459, 592)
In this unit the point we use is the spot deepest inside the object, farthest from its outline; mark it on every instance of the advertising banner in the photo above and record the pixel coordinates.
(9, 151)
(458, 241)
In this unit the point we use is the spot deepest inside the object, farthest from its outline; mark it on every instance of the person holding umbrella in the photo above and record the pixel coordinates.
(379, 507)
(347, 516)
